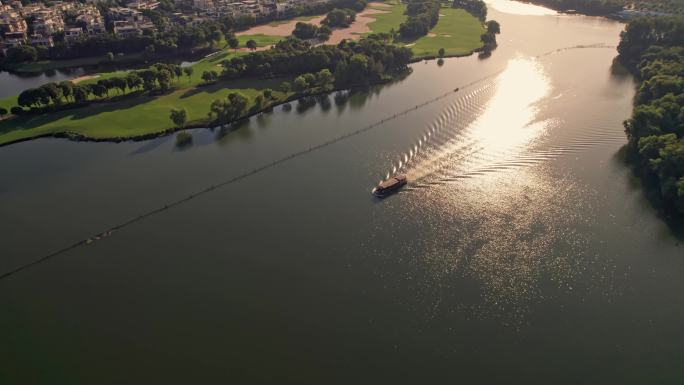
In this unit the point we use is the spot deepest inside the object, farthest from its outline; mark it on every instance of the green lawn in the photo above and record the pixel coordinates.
(458, 32)
(385, 22)
(132, 117)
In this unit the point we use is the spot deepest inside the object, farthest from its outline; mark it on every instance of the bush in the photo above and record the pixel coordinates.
(16, 110)
(3, 111)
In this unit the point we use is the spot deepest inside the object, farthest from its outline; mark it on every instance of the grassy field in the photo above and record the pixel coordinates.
(131, 117)
(457, 32)
(385, 22)
(141, 115)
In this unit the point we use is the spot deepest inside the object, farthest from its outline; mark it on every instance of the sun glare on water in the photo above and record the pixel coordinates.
(518, 8)
(508, 122)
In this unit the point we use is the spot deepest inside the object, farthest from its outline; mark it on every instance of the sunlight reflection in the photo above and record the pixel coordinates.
(507, 123)
(518, 8)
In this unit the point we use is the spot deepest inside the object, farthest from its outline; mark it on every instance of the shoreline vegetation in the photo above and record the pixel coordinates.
(615, 9)
(253, 76)
(653, 50)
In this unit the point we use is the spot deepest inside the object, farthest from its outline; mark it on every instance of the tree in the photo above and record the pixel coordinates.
(268, 93)
(164, 79)
(24, 53)
(358, 65)
(259, 102)
(188, 71)
(16, 110)
(440, 53)
(493, 27)
(28, 98)
(339, 18)
(215, 37)
(110, 57)
(325, 79)
(300, 84)
(286, 87)
(179, 117)
(233, 42)
(3, 111)
(177, 71)
(98, 90)
(324, 33)
(81, 93)
(119, 83)
(251, 44)
(53, 92)
(106, 84)
(304, 30)
(149, 78)
(228, 109)
(133, 81)
(209, 76)
(67, 88)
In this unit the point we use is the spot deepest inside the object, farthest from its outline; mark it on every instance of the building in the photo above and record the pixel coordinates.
(42, 41)
(125, 29)
(204, 5)
(73, 33)
(14, 39)
(143, 4)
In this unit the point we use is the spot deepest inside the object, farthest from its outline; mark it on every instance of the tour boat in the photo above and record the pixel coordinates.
(389, 186)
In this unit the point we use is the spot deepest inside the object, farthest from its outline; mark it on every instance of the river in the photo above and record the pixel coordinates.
(522, 251)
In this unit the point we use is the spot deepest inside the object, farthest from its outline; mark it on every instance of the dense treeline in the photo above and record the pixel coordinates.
(350, 61)
(589, 7)
(654, 49)
(319, 69)
(422, 15)
(477, 8)
(158, 77)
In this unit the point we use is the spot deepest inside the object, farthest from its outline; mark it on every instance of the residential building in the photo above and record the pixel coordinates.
(42, 41)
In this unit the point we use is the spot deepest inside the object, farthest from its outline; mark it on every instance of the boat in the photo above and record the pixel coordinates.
(389, 186)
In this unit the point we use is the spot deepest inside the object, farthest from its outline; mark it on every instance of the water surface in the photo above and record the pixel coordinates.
(522, 250)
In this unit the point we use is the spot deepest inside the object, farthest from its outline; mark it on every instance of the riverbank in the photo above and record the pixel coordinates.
(278, 100)
(142, 113)
(656, 128)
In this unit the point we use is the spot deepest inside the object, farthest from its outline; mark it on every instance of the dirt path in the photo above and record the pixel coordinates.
(84, 78)
(360, 26)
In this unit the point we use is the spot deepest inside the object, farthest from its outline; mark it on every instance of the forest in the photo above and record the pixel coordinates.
(653, 48)
(368, 59)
